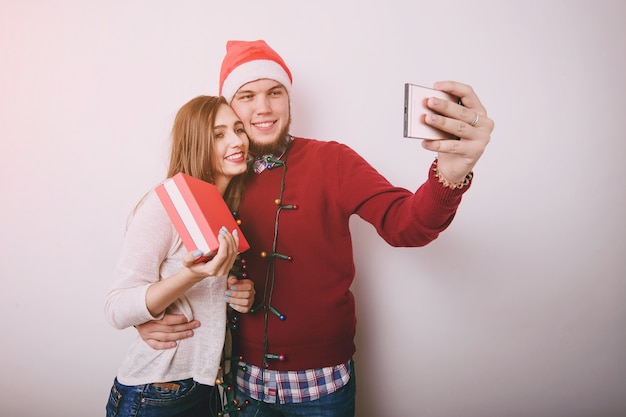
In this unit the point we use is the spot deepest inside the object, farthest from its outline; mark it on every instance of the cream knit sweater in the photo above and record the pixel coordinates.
(152, 251)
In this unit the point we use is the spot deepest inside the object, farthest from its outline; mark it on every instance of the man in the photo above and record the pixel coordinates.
(297, 345)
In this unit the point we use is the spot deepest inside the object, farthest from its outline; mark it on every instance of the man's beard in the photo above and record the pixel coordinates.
(260, 149)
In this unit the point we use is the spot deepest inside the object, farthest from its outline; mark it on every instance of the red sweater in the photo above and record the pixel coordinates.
(328, 182)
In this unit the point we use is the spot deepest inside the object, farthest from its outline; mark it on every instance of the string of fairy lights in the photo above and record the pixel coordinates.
(231, 405)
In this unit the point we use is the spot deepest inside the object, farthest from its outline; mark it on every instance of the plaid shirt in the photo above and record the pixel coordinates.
(286, 387)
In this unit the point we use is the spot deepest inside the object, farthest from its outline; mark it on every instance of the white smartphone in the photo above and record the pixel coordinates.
(415, 111)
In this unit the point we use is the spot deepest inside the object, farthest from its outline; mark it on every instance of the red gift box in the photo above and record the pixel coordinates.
(198, 211)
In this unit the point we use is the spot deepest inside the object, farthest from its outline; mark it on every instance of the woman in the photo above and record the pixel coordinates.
(155, 275)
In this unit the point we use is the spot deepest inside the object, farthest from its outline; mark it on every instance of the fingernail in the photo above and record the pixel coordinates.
(231, 305)
(227, 299)
(197, 254)
(228, 293)
(233, 288)
(235, 233)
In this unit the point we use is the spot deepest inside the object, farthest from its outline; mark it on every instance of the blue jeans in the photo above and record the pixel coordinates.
(340, 403)
(185, 398)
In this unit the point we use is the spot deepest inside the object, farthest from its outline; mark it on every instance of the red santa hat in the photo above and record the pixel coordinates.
(247, 61)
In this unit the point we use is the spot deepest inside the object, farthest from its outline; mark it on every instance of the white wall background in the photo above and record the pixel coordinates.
(519, 309)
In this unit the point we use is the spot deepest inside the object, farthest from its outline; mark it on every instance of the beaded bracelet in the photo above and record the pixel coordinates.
(448, 184)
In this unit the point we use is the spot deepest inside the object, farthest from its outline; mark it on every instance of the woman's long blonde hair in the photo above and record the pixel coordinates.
(192, 145)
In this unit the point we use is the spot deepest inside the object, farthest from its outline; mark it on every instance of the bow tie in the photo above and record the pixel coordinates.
(265, 162)
(269, 161)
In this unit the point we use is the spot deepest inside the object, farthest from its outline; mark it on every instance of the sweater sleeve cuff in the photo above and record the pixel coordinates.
(443, 195)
